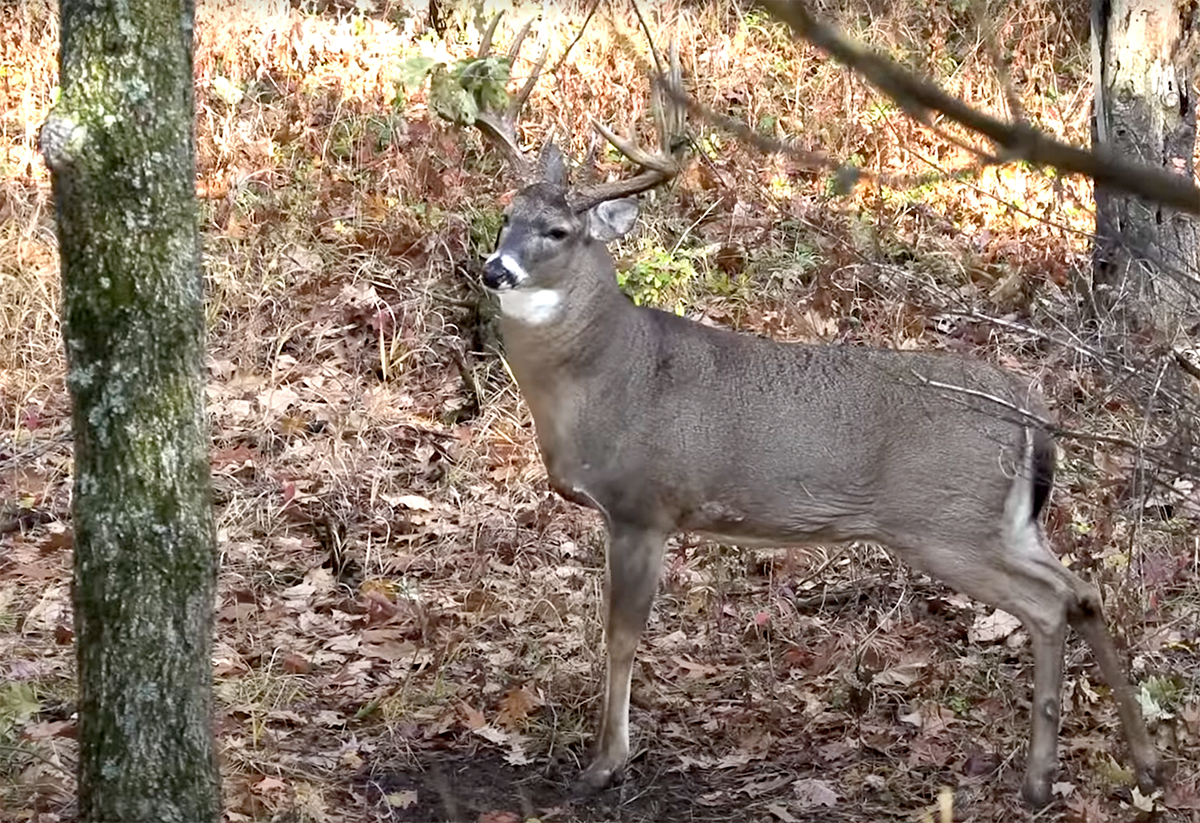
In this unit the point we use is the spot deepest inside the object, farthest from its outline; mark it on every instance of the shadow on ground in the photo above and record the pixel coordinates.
(484, 788)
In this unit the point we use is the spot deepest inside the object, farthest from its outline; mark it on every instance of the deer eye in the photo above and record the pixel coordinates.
(557, 233)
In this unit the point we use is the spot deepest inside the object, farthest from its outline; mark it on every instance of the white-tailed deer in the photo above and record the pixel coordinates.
(664, 424)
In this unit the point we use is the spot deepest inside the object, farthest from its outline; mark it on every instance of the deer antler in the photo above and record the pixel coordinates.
(658, 167)
(500, 128)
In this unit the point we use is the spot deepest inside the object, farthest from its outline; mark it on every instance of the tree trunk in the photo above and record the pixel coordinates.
(120, 147)
(1144, 110)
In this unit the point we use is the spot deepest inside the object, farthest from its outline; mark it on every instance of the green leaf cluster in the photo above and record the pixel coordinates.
(658, 278)
(459, 90)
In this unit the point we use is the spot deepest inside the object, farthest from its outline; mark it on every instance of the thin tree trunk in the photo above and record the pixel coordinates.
(1145, 256)
(120, 147)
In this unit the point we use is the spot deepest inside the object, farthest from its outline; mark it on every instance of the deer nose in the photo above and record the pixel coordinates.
(501, 271)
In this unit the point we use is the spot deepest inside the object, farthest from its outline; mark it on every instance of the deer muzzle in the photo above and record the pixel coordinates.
(502, 271)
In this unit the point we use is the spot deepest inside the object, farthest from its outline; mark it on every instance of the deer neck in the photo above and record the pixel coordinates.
(553, 335)
(566, 350)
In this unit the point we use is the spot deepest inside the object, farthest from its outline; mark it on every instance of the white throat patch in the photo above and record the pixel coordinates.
(532, 306)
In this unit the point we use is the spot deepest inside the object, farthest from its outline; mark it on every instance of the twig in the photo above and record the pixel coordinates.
(36, 756)
(1015, 110)
(841, 550)
(662, 73)
(1187, 366)
(1022, 412)
(578, 36)
(1079, 348)
(21, 458)
(1155, 454)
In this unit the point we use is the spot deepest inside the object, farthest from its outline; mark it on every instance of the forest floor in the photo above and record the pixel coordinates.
(407, 620)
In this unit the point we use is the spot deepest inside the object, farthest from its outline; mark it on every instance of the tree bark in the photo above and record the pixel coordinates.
(120, 147)
(1145, 256)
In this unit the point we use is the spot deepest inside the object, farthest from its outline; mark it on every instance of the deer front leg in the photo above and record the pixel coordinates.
(1042, 762)
(634, 563)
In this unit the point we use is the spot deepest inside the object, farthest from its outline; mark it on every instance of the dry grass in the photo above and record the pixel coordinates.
(401, 595)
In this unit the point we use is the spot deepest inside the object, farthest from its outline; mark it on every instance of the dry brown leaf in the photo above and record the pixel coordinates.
(472, 718)
(812, 793)
(269, 785)
(515, 707)
(295, 664)
(989, 628)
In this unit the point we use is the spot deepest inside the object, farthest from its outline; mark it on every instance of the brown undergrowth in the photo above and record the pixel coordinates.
(407, 619)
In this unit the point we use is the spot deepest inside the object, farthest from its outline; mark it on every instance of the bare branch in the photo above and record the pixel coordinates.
(1160, 456)
(578, 36)
(1018, 141)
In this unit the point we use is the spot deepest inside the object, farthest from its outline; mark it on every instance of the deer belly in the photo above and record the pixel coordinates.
(784, 520)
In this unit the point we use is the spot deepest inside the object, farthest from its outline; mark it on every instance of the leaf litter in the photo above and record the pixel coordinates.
(407, 620)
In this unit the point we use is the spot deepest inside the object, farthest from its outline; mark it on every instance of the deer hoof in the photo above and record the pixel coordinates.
(598, 777)
(1036, 791)
(1150, 774)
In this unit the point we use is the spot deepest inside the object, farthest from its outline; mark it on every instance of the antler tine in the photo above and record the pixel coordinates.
(500, 128)
(671, 113)
(518, 41)
(485, 44)
(501, 133)
(657, 167)
(518, 102)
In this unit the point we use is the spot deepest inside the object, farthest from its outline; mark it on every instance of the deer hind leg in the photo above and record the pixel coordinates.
(1028, 580)
(1017, 573)
(1088, 620)
(1084, 613)
(1041, 764)
(634, 563)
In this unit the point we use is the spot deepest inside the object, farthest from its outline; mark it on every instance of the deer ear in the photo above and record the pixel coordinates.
(612, 219)
(552, 166)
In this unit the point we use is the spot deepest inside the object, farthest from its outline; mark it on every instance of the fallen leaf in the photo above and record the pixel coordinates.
(269, 784)
(992, 627)
(904, 673)
(278, 400)
(472, 718)
(1144, 802)
(295, 664)
(286, 716)
(515, 707)
(811, 793)
(49, 728)
(401, 800)
(325, 717)
(412, 501)
(516, 755)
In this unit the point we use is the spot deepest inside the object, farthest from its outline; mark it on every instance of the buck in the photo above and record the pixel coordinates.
(663, 424)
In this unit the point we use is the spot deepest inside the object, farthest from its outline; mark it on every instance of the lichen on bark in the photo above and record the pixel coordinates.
(120, 147)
